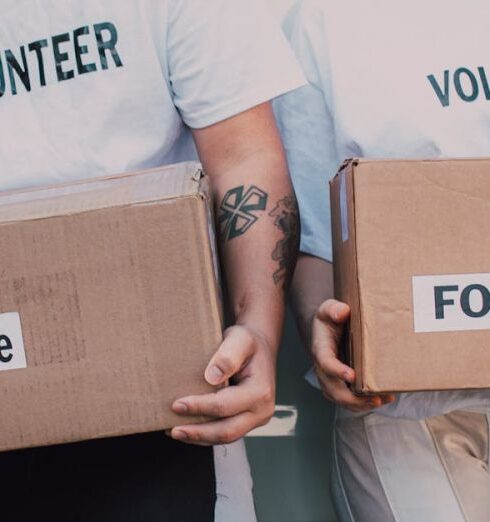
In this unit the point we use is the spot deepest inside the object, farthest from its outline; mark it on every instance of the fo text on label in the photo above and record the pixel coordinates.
(59, 58)
(12, 352)
(448, 303)
(467, 84)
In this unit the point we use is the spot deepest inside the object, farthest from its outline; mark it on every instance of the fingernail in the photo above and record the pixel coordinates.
(348, 376)
(180, 407)
(179, 435)
(340, 310)
(214, 375)
(374, 402)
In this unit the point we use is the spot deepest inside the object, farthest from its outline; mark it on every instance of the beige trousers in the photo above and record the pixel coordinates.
(397, 470)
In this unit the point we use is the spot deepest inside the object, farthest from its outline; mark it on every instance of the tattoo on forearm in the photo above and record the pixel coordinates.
(286, 219)
(237, 211)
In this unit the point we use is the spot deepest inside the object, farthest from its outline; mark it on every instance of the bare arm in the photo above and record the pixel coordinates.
(311, 286)
(258, 227)
(257, 215)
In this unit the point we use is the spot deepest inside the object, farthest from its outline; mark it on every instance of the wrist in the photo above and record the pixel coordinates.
(265, 319)
(304, 323)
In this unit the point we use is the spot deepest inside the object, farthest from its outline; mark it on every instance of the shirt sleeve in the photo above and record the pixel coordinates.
(307, 126)
(225, 57)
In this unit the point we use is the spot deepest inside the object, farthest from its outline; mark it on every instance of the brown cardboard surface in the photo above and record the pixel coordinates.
(346, 264)
(406, 219)
(118, 300)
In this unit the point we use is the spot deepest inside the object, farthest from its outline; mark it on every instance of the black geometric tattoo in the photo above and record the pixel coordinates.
(286, 218)
(235, 215)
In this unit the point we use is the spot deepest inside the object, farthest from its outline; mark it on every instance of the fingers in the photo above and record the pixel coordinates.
(336, 390)
(238, 408)
(387, 398)
(222, 431)
(234, 352)
(333, 311)
(327, 328)
(326, 362)
(332, 373)
(228, 402)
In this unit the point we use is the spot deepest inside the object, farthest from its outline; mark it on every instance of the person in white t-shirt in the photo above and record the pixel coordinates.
(386, 79)
(90, 88)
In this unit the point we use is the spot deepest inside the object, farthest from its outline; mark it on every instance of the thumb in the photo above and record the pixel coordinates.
(234, 352)
(333, 312)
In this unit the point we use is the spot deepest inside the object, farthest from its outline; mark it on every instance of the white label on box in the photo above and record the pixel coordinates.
(344, 217)
(12, 353)
(448, 303)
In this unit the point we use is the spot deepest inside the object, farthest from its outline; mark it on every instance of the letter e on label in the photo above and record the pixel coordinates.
(12, 352)
(449, 303)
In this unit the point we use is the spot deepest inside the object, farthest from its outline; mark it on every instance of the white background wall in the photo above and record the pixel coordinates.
(281, 6)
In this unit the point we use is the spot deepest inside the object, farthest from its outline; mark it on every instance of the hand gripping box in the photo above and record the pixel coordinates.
(412, 259)
(109, 305)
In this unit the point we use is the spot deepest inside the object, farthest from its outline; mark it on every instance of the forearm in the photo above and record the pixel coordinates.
(258, 228)
(312, 284)
(256, 215)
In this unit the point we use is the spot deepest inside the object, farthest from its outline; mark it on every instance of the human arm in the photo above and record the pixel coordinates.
(258, 253)
(308, 125)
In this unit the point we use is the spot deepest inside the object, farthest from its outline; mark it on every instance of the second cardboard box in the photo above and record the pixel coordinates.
(412, 259)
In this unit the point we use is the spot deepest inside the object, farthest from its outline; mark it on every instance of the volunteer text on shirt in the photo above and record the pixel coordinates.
(22, 65)
(466, 84)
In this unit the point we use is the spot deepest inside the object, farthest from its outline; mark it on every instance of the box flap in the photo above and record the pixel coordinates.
(182, 179)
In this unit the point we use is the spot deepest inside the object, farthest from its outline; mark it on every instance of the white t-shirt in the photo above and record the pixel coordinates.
(90, 87)
(389, 79)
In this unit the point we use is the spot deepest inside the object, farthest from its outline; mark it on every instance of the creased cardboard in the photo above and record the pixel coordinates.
(115, 284)
(411, 258)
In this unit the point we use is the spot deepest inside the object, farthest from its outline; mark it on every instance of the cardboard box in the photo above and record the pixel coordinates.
(109, 305)
(412, 259)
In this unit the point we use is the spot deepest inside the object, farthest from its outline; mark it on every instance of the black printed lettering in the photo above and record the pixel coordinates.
(473, 94)
(2, 79)
(81, 50)
(469, 85)
(439, 300)
(38, 47)
(109, 45)
(21, 71)
(443, 95)
(60, 57)
(484, 82)
(6, 354)
(71, 53)
(465, 300)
